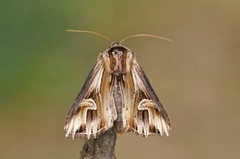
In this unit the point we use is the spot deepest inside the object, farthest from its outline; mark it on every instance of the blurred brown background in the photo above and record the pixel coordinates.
(197, 76)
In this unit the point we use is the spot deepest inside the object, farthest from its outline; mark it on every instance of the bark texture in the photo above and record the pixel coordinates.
(102, 147)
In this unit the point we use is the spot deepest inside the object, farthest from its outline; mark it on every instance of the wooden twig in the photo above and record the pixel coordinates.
(102, 147)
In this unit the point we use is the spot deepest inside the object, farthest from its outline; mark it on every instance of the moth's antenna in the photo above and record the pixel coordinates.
(90, 32)
(145, 35)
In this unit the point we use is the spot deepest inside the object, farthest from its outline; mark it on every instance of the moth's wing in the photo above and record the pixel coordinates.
(91, 114)
(146, 115)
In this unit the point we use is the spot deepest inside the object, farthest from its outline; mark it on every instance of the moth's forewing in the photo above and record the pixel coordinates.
(151, 116)
(142, 111)
(90, 113)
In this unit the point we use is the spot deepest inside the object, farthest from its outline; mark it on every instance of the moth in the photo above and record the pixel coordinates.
(116, 93)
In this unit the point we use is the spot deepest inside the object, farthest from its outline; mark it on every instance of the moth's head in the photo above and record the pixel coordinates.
(117, 59)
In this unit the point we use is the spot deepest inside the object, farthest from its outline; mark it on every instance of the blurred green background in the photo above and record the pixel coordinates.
(197, 76)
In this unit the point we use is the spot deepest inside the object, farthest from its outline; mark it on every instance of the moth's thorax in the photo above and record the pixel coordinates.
(117, 59)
